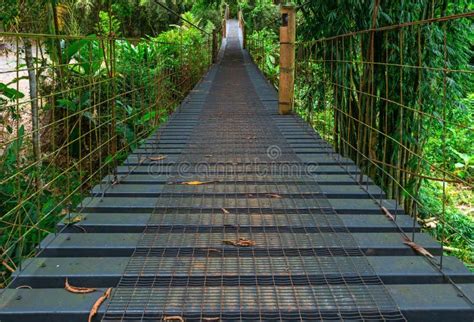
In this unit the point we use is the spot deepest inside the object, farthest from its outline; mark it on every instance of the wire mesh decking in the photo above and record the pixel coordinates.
(288, 272)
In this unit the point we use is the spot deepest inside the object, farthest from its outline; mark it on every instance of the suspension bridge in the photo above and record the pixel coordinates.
(231, 211)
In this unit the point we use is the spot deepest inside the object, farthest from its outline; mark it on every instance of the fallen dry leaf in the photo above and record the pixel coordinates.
(273, 195)
(213, 250)
(388, 214)
(157, 158)
(78, 290)
(225, 211)
(73, 220)
(242, 242)
(196, 183)
(173, 318)
(211, 319)
(98, 303)
(417, 248)
(199, 266)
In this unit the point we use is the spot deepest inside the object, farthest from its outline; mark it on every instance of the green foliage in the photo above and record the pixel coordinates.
(108, 25)
(459, 140)
(8, 111)
(456, 228)
(209, 10)
(106, 96)
(8, 11)
(35, 216)
(261, 15)
(264, 47)
(331, 76)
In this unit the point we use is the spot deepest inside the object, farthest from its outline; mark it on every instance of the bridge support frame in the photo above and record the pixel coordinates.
(287, 59)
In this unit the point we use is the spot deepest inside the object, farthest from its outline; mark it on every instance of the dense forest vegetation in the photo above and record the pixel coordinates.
(95, 60)
(383, 99)
(83, 84)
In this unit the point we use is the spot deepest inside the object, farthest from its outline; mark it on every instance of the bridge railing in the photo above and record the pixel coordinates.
(72, 108)
(395, 99)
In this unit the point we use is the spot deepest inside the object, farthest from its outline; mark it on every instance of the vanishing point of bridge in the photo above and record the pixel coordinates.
(234, 212)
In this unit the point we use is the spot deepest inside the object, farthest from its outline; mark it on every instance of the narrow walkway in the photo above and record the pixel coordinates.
(233, 212)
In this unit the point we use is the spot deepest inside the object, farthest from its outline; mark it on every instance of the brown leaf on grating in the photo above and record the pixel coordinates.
(273, 195)
(173, 318)
(199, 266)
(211, 319)
(73, 220)
(196, 183)
(417, 248)
(225, 211)
(157, 158)
(388, 214)
(209, 250)
(242, 242)
(78, 290)
(98, 303)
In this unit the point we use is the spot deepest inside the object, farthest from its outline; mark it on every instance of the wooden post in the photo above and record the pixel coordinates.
(242, 28)
(224, 21)
(224, 28)
(226, 12)
(287, 59)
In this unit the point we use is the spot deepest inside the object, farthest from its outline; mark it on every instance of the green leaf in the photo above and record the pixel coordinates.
(75, 47)
(147, 117)
(17, 79)
(67, 104)
(10, 93)
(13, 149)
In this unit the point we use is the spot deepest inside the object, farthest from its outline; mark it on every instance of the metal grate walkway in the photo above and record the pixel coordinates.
(229, 281)
(233, 212)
